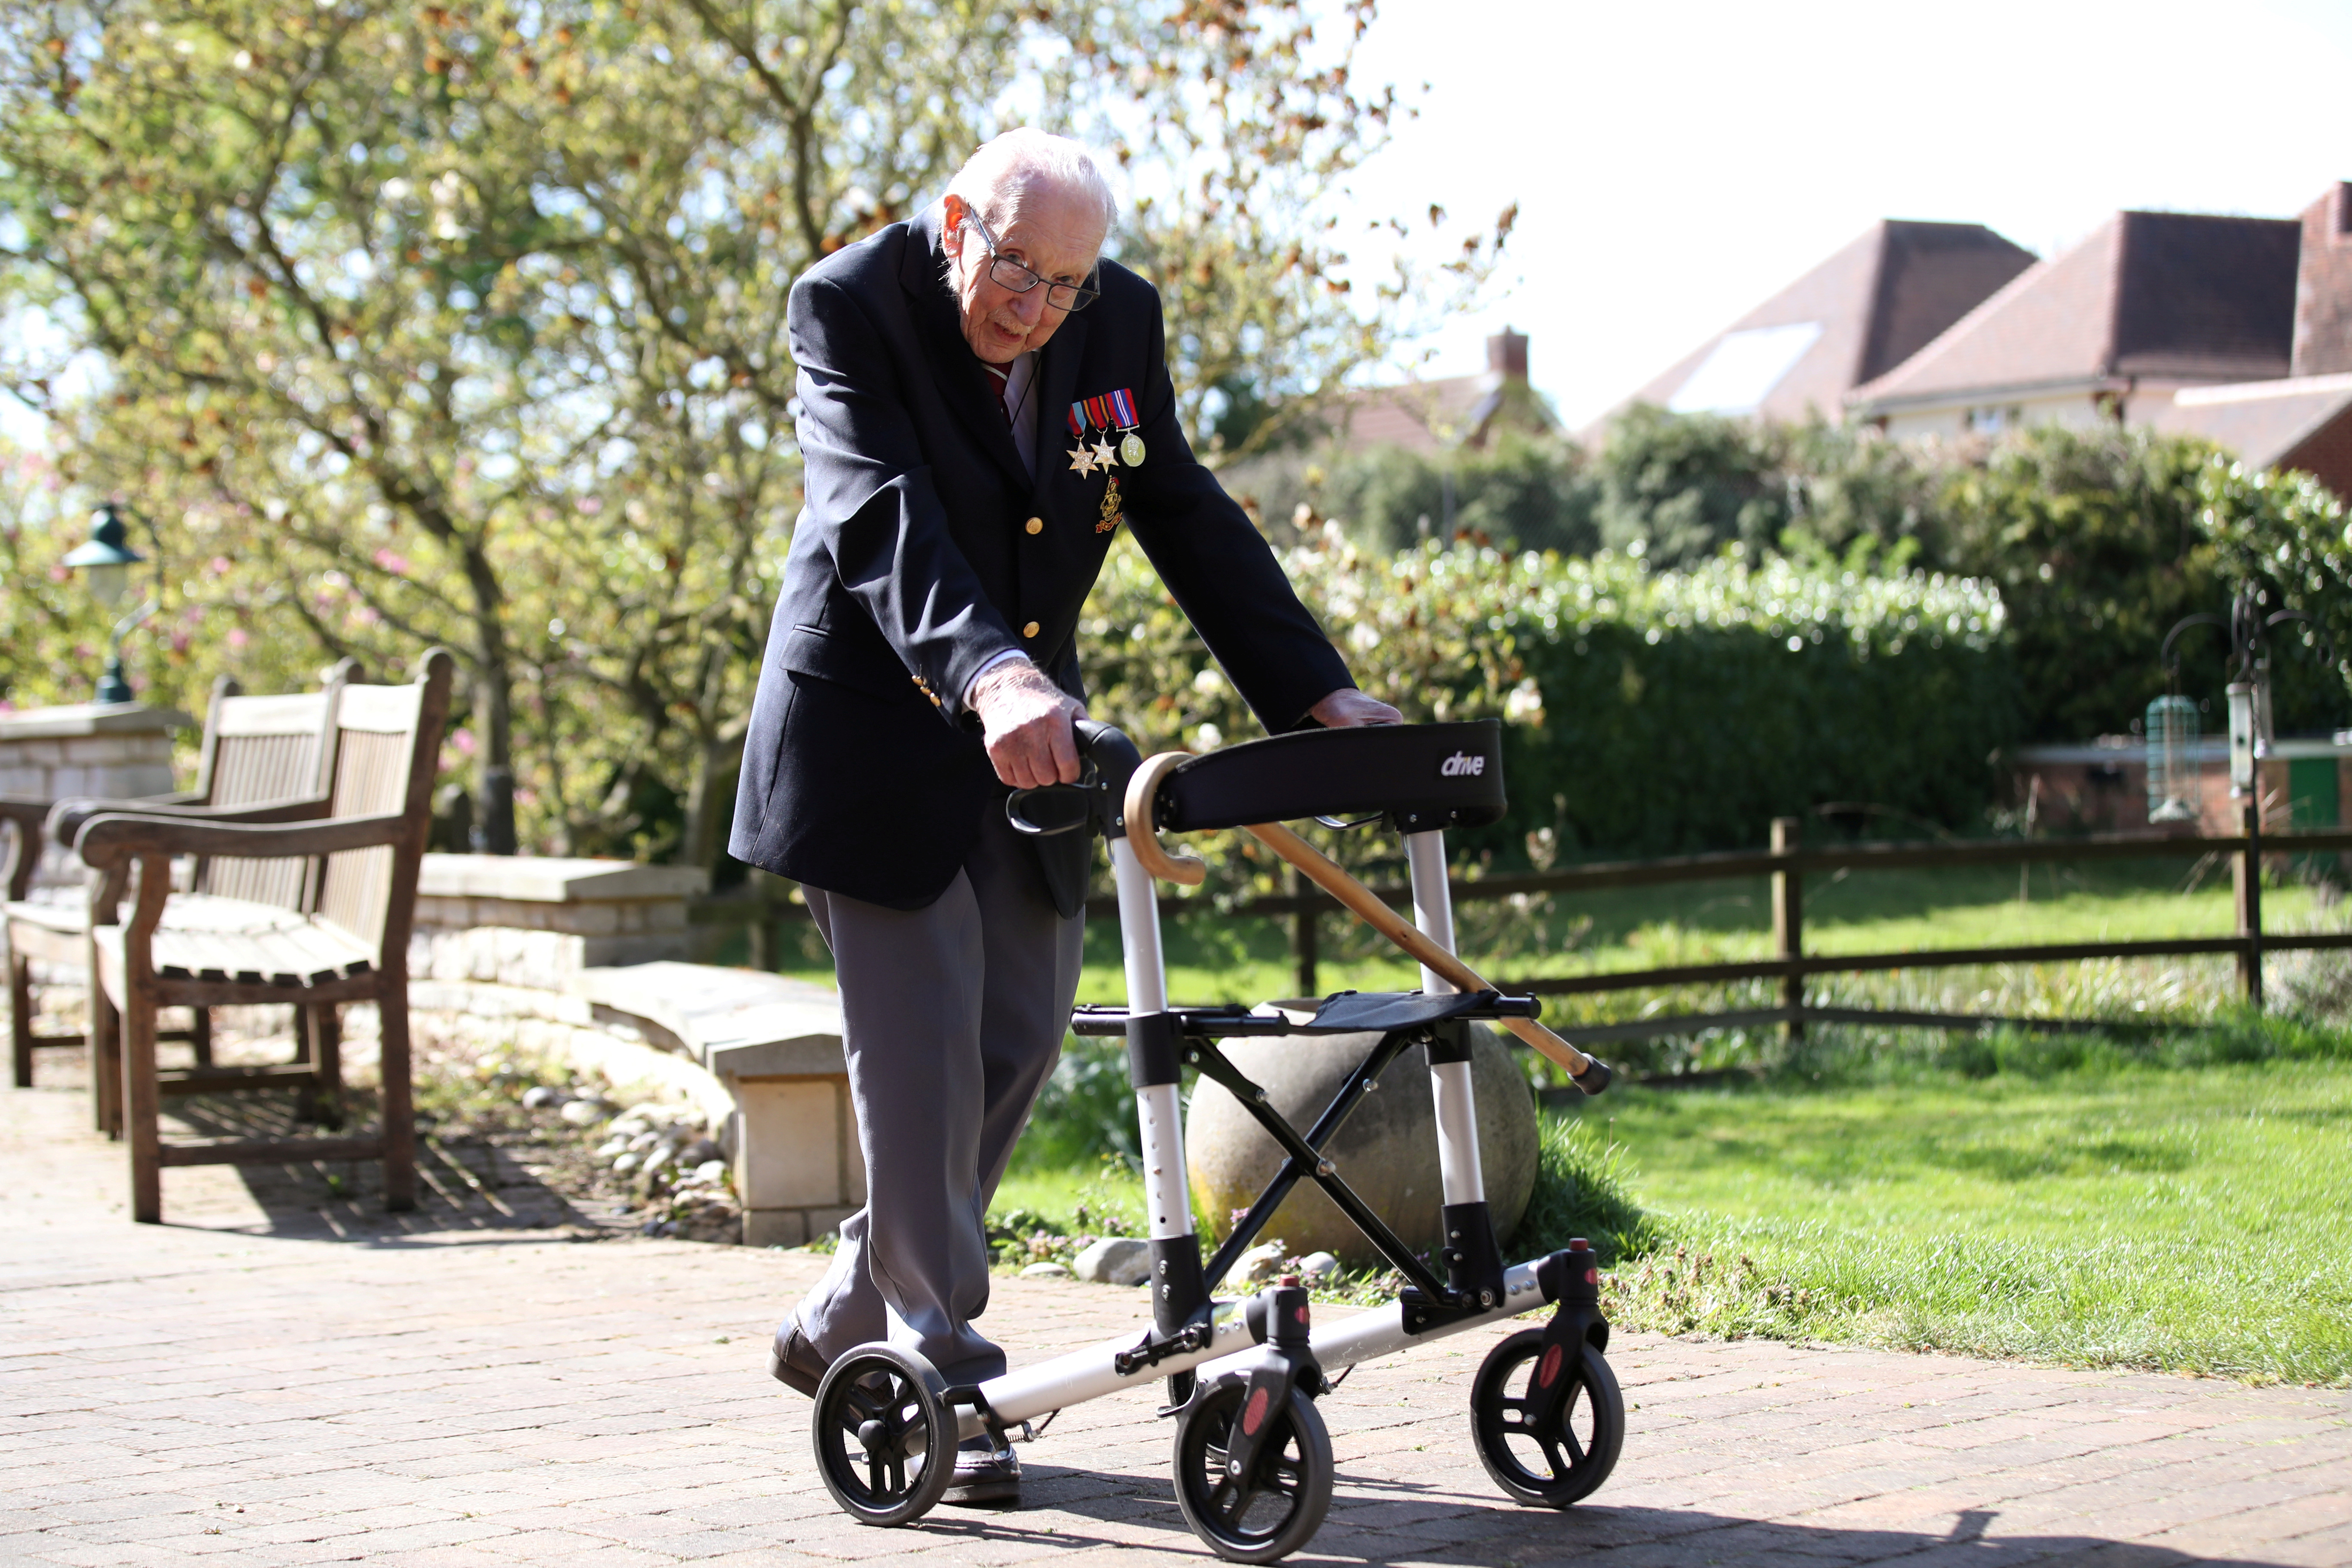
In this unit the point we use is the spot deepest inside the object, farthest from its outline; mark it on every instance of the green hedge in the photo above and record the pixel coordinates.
(1648, 711)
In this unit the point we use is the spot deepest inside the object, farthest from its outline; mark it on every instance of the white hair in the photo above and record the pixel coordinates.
(1007, 166)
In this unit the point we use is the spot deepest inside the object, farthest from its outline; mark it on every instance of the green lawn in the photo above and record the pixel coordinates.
(2186, 1220)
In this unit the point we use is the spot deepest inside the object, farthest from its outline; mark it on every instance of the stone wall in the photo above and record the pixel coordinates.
(118, 750)
(541, 923)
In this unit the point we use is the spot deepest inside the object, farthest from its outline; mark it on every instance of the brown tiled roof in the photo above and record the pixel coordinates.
(1930, 275)
(1876, 301)
(1426, 415)
(2144, 294)
(2266, 422)
(1421, 416)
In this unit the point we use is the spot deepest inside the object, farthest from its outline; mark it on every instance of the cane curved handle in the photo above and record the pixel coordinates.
(1143, 832)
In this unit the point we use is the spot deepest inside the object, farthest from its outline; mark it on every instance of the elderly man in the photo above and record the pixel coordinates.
(984, 405)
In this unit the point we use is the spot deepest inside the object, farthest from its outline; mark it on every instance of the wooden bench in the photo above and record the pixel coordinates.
(263, 759)
(344, 939)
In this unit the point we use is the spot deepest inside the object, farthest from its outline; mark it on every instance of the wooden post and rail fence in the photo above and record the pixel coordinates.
(1788, 865)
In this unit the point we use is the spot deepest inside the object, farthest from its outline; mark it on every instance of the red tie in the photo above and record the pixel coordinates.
(1000, 376)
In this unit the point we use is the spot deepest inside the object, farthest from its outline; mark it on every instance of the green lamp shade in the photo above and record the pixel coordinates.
(107, 557)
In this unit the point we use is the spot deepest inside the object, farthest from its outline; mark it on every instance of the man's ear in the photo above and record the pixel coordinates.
(952, 226)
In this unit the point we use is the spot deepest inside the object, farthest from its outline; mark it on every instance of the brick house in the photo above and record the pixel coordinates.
(2236, 329)
(1859, 314)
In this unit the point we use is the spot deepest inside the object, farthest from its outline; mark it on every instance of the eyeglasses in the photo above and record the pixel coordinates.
(1007, 273)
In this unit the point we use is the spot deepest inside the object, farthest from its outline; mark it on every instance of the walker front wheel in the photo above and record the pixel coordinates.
(1276, 1509)
(885, 1435)
(1553, 1463)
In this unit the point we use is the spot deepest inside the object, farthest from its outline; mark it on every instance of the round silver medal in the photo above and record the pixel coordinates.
(1130, 450)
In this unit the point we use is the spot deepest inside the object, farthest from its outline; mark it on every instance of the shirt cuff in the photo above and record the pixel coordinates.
(1007, 657)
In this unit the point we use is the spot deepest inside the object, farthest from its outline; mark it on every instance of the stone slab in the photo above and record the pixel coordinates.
(540, 879)
(737, 1022)
(77, 719)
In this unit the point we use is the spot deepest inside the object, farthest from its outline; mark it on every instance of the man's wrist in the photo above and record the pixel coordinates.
(1011, 656)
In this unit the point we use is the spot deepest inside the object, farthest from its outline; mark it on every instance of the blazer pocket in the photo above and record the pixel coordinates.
(811, 650)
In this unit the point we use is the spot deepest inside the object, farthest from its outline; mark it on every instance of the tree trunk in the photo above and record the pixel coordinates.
(494, 812)
(710, 797)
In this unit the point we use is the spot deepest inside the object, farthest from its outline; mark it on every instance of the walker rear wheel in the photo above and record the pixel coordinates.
(1553, 1464)
(1276, 1508)
(881, 1419)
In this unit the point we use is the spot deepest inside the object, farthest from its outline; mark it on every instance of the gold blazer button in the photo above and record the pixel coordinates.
(1036, 525)
(1030, 630)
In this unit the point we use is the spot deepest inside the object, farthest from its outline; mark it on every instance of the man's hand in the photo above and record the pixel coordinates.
(1348, 708)
(1025, 722)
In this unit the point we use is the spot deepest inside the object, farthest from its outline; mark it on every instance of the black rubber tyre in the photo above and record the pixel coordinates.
(1548, 1468)
(1278, 1508)
(881, 1415)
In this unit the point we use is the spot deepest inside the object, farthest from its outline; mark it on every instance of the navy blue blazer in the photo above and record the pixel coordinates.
(924, 550)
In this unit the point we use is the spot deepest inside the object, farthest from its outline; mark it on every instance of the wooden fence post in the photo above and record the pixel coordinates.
(1788, 924)
(1303, 938)
(2246, 878)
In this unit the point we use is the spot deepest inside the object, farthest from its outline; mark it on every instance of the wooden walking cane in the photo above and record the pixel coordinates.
(1588, 1073)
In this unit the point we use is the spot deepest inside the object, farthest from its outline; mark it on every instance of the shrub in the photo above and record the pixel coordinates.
(1678, 488)
(1647, 711)
(2094, 539)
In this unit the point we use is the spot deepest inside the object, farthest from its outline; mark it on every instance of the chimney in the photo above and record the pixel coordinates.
(2323, 287)
(1507, 356)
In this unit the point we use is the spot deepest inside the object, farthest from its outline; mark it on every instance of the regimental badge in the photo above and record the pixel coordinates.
(1111, 516)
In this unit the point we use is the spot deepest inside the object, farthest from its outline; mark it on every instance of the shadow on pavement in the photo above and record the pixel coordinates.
(1449, 1527)
(461, 1186)
(464, 1185)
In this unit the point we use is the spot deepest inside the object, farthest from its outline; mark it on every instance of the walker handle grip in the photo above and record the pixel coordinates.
(1144, 834)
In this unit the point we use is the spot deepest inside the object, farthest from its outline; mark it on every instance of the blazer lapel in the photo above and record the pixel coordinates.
(962, 385)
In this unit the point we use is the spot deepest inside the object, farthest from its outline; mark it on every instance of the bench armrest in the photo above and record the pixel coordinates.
(67, 818)
(20, 841)
(116, 838)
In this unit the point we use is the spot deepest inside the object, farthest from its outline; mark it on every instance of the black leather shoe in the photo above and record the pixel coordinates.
(985, 1478)
(795, 1363)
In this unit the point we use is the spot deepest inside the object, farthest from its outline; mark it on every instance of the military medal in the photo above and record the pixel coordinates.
(1109, 412)
(1083, 456)
(1111, 516)
(1122, 408)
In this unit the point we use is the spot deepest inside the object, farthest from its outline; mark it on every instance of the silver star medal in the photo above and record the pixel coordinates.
(1105, 456)
(1082, 458)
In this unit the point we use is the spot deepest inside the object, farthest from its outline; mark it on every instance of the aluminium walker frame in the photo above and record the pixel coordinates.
(1253, 1461)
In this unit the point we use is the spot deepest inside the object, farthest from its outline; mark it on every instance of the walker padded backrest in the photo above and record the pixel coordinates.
(1420, 776)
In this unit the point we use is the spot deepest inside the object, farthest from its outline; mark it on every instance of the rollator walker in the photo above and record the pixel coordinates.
(1253, 1459)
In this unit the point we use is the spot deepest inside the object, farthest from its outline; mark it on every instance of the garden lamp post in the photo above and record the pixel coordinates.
(107, 558)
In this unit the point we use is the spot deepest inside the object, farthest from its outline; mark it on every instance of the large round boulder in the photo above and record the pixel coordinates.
(1386, 1151)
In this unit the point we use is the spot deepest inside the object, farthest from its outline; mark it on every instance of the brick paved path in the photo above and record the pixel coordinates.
(281, 1379)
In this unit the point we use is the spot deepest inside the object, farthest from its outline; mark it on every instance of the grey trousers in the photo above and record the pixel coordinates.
(952, 1016)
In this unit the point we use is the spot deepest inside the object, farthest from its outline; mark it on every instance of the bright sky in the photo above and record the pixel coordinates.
(1677, 165)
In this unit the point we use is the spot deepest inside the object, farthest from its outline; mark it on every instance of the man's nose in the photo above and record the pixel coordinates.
(1030, 307)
